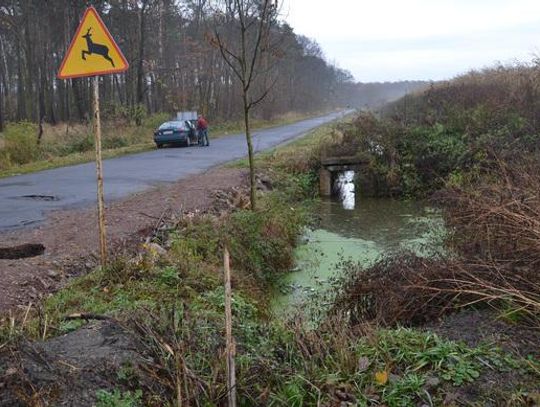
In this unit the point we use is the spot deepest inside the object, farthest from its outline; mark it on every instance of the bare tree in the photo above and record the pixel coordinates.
(176, 67)
(243, 34)
(1, 109)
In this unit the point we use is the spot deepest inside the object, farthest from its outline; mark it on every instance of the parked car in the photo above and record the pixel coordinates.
(176, 133)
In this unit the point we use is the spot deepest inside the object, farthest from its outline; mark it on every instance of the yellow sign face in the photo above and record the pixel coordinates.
(92, 51)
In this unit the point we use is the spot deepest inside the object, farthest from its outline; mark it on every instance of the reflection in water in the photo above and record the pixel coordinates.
(391, 224)
(345, 188)
(373, 228)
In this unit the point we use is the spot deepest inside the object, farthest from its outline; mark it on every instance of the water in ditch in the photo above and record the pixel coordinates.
(361, 229)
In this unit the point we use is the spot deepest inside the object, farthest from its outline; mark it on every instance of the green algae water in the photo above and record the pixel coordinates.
(362, 230)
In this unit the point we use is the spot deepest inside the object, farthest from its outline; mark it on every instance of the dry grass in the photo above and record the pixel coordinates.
(499, 92)
(499, 218)
(409, 290)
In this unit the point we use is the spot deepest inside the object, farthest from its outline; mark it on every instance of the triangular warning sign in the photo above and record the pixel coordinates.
(92, 51)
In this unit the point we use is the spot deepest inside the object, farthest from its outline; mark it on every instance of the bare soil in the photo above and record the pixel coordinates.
(475, 327)
(69, 370)
(70, 237)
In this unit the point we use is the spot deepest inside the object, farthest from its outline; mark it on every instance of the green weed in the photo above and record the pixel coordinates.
(118, 399)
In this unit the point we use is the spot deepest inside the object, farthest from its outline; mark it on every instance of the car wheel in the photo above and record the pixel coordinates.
(159, 145)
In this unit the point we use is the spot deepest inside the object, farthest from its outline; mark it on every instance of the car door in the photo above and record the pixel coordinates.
(191, 131)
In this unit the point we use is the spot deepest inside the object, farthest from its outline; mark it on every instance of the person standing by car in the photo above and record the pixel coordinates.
(202, 130)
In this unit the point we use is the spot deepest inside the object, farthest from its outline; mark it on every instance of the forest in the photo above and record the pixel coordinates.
(174, 64)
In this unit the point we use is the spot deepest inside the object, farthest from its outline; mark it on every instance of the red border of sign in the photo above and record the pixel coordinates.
(108, 34)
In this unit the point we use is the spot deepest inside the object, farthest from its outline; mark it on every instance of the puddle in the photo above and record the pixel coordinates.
(45, 198)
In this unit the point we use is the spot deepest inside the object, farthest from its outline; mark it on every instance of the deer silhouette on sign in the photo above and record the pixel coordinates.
(94, 48)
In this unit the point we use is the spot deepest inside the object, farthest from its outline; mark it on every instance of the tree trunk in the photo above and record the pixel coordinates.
(4, 89)
(76, 85)
(1, 108)
(21, 111)
(251, 158)
(40, 104)
(140, 73)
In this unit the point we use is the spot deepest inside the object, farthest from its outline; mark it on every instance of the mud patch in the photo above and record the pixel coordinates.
(67, 370)
(22, 251)
(475, 327)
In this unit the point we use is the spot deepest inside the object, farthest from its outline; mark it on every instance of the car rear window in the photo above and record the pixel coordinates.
(170, 125)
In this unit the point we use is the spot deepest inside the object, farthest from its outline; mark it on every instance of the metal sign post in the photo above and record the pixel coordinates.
(99, 172)
(93, 52)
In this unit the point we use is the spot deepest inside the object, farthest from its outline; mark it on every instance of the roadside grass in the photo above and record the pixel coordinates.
(301, 155)
(67, 144)
(261, 244)
(279, 363)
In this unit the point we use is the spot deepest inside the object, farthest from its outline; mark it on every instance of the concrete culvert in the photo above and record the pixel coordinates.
(22, 251)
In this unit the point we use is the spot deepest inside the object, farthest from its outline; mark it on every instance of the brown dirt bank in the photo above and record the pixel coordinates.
(71, 240)
(68, 370)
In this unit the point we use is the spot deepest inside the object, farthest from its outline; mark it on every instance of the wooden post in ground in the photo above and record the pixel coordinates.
(99, 171)
(230, 345)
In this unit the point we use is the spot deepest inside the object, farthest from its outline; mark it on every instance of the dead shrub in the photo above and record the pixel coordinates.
(498, 219)
(410, 290)
(392, 291)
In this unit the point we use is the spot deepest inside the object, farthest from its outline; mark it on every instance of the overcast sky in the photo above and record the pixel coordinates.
(389, 40)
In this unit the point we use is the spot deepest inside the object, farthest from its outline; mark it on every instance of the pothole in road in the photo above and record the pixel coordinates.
(22, 251)
(46, 198)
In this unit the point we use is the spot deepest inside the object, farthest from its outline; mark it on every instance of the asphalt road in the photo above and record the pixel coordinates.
(25, 199)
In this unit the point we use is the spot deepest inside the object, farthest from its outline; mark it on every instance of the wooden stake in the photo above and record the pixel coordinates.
(231, 346)
(99, 171)
(178, 379)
